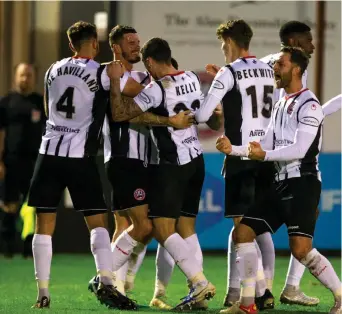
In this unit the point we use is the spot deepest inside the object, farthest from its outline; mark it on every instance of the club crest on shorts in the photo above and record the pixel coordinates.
(139, 194)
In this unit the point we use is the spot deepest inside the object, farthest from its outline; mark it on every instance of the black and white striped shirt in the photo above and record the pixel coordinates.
(77, 99)
(125, 139)
(294, 137)
(167, 97)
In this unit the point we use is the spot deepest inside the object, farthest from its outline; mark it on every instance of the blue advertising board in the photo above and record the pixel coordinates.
(213, 228)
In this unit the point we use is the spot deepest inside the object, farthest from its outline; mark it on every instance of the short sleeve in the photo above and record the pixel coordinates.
(310, 116)
(222, 83)
(150, 97)
(105, 81)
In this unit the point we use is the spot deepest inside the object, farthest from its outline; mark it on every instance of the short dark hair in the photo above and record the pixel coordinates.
(174, 63)
(158, 49)
(117, 33)
(291, 28)
(81, 31)
(297, 56)
(238, 30)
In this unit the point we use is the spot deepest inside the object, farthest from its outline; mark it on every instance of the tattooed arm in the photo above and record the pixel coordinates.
(151, 119)
(123, 108)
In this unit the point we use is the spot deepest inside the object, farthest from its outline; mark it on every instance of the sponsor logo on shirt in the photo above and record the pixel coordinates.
(142, 96)
(312, 121)
(283, 142)
(218, 84)
(189, 140)
(256, 133)
(64, 129)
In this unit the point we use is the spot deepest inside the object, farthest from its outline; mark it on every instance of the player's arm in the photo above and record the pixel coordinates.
(332, 105)
(131, 89)
(223, 82)
(310, 117)
(123, 108)
(215, 122)
(267, 141)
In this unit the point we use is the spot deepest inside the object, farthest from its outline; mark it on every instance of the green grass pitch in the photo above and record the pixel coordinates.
(70, 275)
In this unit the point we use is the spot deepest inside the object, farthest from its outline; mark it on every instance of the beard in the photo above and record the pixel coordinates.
(131, 60)
(285, 80)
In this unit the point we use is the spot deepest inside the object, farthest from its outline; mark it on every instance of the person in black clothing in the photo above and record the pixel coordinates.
(22, 120)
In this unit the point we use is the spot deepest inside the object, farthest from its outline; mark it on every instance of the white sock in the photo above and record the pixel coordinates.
(100, 247)
(233, 280)
(42, 255)
(122, 248)
(134, 263)
(120, 275)
(322, 269)
(185, 260)
(295, 272)
(260, 286)
(164, 268)
(266, 246)
(247, 264)
(195, 247)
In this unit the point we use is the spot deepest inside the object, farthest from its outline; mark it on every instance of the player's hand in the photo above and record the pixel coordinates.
(218, 111)
(255, 152)
(115, 69)
(224, 145)
(182, 120)
(2, 170)
(212, 69)
(117, 52)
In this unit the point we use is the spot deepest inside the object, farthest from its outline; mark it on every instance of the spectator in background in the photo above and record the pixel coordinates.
(22, 120)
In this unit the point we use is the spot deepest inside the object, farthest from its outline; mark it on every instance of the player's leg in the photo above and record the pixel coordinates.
(137, 257)
(164, 261)
(261, 218)
(130, 201)
(87, 196)
(45, 193)
(164, 269)
(301, 225)
(186, 224)
(235, 208)
(134, 263)
(264, 179)
(240, 194)
(292, 294)
(122, 222)
(138, 234)
(167, 199)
